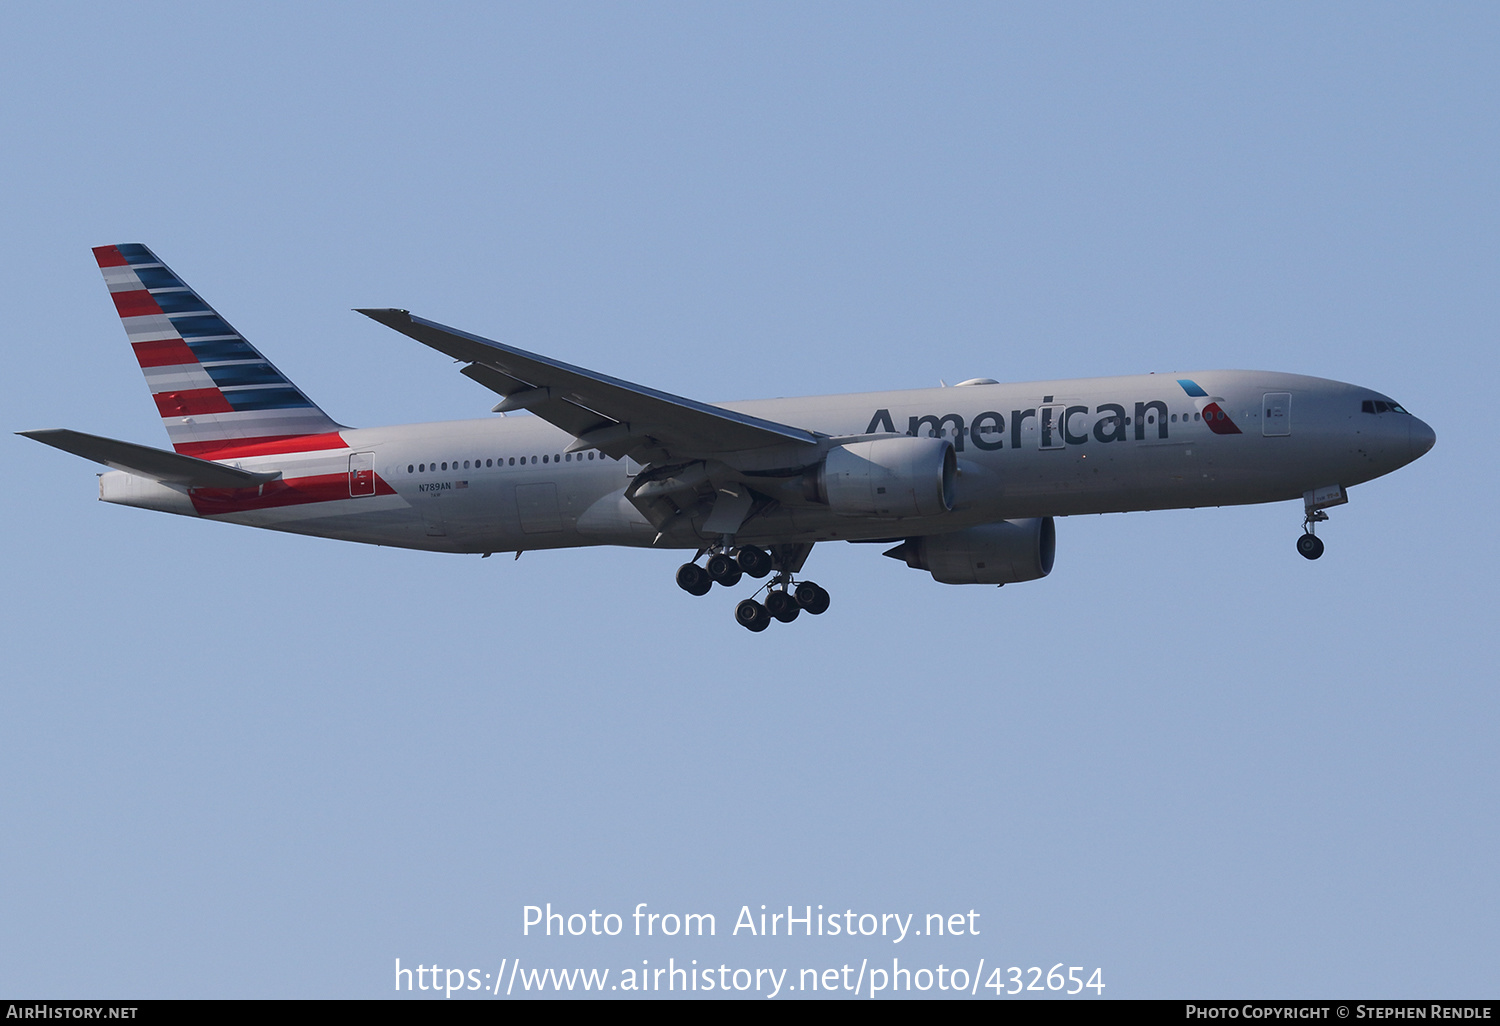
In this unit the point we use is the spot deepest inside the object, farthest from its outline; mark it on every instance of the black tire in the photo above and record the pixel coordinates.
(782, 606)
(812, 598)
(724, 570)
(754, 561)
(752, 616)
(693, 579)
(1310, 546)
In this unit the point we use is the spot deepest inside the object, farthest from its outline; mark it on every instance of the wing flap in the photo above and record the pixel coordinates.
(144, 461)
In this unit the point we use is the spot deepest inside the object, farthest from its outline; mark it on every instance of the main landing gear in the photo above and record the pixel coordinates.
(1310, 545)
(784, 600)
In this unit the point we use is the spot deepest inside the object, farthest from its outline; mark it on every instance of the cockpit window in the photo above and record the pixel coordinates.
(1381, 406)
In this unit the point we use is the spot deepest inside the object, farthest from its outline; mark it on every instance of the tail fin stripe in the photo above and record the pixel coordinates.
(157, 278)
(109, 256)
(275, 445)
(198, 325)
(221, 350)
(135, 253)
(148, 327)
(135, 303)
(228, 375)
(163, 352)
(181, 377)
(192, 403)
(179, 301)
(266, 399)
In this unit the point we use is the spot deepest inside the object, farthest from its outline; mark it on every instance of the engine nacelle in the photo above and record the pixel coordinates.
(887, 477)
(1007, 552)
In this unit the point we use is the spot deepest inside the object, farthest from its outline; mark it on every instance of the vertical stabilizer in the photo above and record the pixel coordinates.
(215, 392)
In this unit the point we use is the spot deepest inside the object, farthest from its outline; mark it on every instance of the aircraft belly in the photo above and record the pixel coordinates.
(380, 520)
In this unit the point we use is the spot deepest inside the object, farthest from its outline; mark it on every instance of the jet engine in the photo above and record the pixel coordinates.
(1007, 552)
(886, 477)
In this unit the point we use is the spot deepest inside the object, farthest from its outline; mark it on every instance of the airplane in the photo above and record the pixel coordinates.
(965, 482)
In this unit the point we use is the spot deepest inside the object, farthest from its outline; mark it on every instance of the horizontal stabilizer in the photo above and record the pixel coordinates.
(157, 464)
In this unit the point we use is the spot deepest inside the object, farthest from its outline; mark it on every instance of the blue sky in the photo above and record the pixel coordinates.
(245, 764)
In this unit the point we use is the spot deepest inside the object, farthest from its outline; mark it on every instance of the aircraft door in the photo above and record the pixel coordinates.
(361, 474)
(537, 506)
(1276, 413)
(1050, 432)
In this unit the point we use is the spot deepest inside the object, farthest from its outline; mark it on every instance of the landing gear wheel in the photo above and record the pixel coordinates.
(723, 570)
(754, 561)
(693, 579)
(812, 598)
(752, 616)
(782, 606)
(1310, 546)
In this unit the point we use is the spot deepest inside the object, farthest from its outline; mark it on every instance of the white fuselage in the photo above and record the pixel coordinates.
(1052, 448)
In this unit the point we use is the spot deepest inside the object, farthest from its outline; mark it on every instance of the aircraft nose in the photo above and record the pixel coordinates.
(1421, 436)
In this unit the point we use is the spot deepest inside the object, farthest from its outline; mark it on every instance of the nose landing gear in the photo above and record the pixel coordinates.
(1310, 546)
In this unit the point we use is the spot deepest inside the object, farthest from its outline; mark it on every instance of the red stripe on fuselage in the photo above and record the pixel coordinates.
(163, 352)
(135, 303)
(296, 492)
(274, 445)
(109, 256)
(192, 402)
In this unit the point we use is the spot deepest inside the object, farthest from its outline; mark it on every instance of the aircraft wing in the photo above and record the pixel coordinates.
(617, 417)
(157, 464)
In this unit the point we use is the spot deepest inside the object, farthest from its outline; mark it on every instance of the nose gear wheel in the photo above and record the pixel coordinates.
(1310, 546)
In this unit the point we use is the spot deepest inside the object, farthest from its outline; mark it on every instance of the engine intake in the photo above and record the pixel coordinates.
(1007, 552)
(886, 477)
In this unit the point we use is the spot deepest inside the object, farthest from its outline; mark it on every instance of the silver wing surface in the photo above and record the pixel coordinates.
(619, 418)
